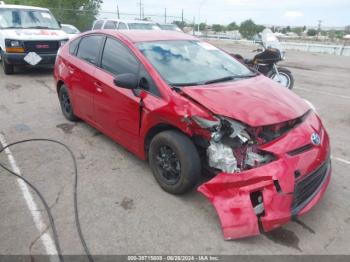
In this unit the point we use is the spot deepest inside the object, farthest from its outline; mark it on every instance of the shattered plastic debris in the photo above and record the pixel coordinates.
(221, 157)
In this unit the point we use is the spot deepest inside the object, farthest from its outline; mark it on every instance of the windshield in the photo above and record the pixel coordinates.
(27, 18)
(142, 26)
(70, 29)
(270, 40)
(189, 63)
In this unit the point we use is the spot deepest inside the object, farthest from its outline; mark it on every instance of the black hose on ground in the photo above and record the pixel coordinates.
(47, 208)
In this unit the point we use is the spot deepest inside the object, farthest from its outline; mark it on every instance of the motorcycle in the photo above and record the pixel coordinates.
(266, 60)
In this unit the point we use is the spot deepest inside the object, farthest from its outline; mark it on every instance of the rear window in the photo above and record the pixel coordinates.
(143, 26)
(110, 25)
(122, 26)
(98, 25)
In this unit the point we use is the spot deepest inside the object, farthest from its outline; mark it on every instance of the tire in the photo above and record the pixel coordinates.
(66, 106)
(185, 171)
(285, 74)
(8, 69)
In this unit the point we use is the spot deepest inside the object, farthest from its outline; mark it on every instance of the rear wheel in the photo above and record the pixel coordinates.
(285, 77)
(174, 161)
(66, 105)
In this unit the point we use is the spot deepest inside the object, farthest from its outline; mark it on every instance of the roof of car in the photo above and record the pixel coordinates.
(136, 36)
(130, 21)
(23, 7)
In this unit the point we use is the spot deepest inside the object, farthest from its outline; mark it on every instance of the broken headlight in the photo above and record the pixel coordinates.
(232, 148)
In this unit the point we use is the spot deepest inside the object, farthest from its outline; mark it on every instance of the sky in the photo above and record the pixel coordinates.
(268, 12)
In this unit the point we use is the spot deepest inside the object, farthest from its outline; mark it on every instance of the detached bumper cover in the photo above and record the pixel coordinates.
(290, 186)
(18, 58)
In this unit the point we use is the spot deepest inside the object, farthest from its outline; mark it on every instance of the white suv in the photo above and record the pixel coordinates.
(28, 35)
(118, 24)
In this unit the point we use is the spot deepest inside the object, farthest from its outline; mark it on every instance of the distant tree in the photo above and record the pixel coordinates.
(248, 28)
(232, 26)
(80, 13)
(202, 26)
(218, 28)
(180, 24)
(347, 29)
(304, 28)
(298, 30)
(288, 29)
(312, 32)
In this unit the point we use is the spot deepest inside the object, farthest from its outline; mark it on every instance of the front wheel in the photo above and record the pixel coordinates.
(285, 77)
(8, 68)
(174, 161)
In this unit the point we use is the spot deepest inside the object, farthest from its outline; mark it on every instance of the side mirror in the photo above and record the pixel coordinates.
(127, 81)
(59, 23)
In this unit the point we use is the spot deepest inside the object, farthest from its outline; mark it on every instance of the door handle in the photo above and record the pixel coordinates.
(98, 86)
(71, 70)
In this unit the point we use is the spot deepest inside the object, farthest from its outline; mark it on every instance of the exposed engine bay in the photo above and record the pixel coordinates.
(235, 147)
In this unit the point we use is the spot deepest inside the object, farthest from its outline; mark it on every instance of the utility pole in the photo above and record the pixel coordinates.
(182, 16)
(118, 12)
(319, 28)
(194, 25)
(140, 9)
(165, 16)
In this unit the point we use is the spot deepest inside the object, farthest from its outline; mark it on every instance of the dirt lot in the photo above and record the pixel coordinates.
(122, 209)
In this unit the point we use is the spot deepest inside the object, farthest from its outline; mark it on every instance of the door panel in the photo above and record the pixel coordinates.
(81, 69)
(81, 87)
(117, 110)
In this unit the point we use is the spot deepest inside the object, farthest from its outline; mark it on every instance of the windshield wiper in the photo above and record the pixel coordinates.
(229, 78)
(222, 79)
(185, 84)
(38, 27)
(12, 27)
(218, 80)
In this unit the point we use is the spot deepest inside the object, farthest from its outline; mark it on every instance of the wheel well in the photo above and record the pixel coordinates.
(156, 130)
(60, 83)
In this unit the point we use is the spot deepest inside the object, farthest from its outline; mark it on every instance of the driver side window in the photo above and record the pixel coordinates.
(117, 59)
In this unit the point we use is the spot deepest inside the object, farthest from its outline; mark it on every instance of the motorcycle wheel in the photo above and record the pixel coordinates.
(285, 77)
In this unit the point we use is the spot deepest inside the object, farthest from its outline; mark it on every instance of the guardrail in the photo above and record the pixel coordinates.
(341, 50)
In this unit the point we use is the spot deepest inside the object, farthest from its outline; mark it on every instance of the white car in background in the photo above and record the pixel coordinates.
(170, 27)
(70, 30)
(28, 36)
(118, 24)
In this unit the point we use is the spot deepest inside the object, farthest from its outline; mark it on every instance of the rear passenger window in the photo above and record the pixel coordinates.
(73, 46)
(98, 25)
(110, 25)
(117, 59)
(122, 26)
(89, 48)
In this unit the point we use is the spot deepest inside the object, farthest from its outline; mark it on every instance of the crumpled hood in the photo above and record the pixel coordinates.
(257, 101)
(34, 34)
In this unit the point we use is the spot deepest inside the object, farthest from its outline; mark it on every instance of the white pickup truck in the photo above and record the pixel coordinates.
(28, 36)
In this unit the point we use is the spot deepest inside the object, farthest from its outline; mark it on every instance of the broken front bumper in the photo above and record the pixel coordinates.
(289, 186)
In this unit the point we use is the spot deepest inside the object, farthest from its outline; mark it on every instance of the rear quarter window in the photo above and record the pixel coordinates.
(89, 48)
(73, 46)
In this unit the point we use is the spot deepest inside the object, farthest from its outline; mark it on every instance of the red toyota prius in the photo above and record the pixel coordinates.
(189, 108)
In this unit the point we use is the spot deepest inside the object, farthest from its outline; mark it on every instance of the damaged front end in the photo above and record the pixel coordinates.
(257, 171)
